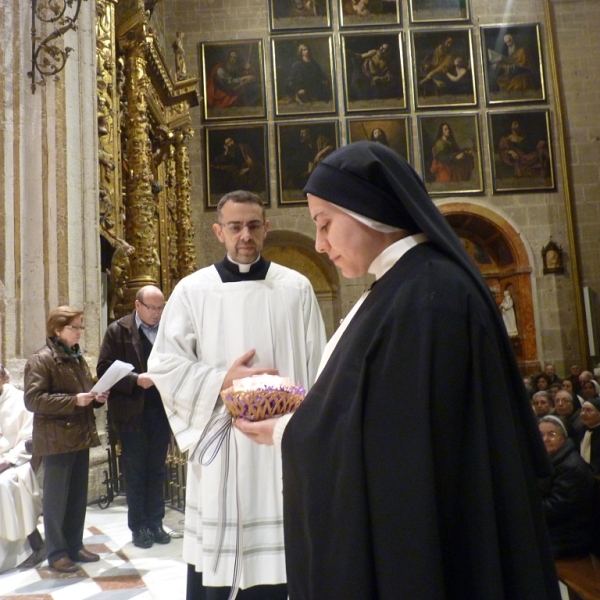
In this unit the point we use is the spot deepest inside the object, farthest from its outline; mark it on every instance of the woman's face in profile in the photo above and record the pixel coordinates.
(350, 245)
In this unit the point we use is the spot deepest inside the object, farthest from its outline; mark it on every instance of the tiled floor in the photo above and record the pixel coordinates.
(123, 571)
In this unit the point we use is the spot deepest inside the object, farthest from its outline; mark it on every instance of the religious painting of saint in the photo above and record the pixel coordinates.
(236, 159)
(451, 154)
(233, 78)
(521, 151)
(393, 132)
(443, 68)
(436, 11)
(374, 71)
(300, 15)
(300, 148)
(303, 69)
(366, 13)
(512, 61)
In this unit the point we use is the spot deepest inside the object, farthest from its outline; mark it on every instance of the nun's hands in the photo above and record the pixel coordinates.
(260, 432)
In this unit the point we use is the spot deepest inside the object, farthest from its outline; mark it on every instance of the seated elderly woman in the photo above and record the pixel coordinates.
(567, 385)
(590, 444)
(568, 410)
(20, 499)
(542, 404)
(568, 495)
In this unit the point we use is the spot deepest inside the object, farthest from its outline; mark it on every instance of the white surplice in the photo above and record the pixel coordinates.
(206, 326)
(20, 498)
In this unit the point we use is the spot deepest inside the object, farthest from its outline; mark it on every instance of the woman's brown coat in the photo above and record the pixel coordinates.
(52, 381)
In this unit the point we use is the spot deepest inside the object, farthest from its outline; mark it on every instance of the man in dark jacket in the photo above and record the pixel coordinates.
(568, 494)
(137, 415)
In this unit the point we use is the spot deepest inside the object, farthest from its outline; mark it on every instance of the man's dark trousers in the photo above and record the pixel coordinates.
(143, 460)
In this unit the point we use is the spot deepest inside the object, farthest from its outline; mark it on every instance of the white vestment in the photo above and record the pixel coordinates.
(20, 499)
(206, 326)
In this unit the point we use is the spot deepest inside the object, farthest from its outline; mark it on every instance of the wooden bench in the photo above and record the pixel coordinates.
(581, 576)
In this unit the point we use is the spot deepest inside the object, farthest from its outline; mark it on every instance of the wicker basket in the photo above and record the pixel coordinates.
(260, 404)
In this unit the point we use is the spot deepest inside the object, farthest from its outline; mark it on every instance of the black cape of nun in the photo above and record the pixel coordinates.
(387, 498)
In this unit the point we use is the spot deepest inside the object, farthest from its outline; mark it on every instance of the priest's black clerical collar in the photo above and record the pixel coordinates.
(230, 272)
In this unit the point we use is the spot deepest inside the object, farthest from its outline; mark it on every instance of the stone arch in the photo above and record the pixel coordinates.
(297, 251)
(501, 256)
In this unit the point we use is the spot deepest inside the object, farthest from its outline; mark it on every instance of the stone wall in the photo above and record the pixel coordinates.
(535, 216)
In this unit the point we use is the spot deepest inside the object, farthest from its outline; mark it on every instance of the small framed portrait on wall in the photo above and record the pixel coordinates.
(233, 80)
(303, 69)
(374, 71)
(552, 256)
(512, 60)
(436, 11)
(300, 148)
(368, 13)
(521, 151)
(451, 154)
(390, 131)
(236, 159)
(443, 68)
(299, 15)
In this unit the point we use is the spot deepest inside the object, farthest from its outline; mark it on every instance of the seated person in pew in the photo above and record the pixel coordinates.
(20, 498)
(568, 495)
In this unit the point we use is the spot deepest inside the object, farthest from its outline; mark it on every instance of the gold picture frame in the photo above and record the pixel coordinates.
(301, 146)
(374, 71)
(451, 153)
(236, 158)
(233, 78)
(303, 75)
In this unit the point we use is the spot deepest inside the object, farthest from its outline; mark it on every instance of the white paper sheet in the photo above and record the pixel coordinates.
(114, 373)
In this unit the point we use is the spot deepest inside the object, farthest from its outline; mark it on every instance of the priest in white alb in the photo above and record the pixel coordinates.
(237, 318)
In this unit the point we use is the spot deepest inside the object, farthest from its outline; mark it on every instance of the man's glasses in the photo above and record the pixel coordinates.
(238, 227)
(156, 309)
(76, 327)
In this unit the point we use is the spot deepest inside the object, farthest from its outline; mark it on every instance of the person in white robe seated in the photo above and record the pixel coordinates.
(20, 498)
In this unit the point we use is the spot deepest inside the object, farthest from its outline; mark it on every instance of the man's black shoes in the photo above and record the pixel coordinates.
(142, 538)
(159, 535)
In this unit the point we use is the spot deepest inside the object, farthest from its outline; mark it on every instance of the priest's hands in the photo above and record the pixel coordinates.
(260, 432)
(240, 369)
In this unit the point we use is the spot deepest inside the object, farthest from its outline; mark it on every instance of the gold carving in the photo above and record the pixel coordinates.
(144, 173)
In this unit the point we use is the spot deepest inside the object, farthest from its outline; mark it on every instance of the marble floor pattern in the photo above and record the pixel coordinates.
(124, 572)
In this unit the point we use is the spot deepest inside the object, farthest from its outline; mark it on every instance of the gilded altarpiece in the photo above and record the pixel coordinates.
(144, 130)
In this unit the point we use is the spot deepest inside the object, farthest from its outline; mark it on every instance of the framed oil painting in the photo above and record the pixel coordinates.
(512, 60)
(234, 80)
(236, 159)
(443, 70)
(436, 11)
(390, 131)
(368, 13)
(300, 148)
(374, 71)
(303, 69)
(521, 151)
(451, 154)
(299, 15)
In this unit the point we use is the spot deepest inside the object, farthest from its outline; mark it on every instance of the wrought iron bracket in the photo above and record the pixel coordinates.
(48, 54)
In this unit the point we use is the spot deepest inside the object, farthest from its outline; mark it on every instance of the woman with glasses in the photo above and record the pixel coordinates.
(57, 390)
(567, 409)
(568, 493)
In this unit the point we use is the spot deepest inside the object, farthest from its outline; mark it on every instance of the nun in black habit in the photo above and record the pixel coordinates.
(385, 498)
